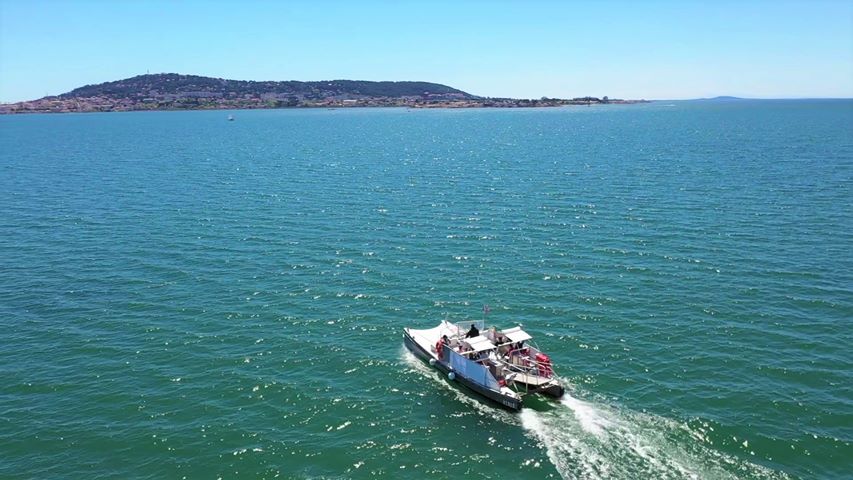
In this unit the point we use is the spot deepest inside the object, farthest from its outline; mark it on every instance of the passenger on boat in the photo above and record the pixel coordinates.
(504, 346)
(473, 332)
(516, 350)
(439, 347)
(492, 334)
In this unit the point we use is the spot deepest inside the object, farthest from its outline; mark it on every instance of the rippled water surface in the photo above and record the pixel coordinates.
(185, 296)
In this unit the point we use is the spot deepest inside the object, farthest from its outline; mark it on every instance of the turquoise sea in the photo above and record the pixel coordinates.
(187, 297)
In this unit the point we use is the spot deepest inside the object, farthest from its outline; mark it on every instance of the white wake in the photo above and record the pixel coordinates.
(591, 440)
(588, 439)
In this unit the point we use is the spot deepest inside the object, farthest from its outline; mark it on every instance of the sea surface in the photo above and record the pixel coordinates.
(186, 297)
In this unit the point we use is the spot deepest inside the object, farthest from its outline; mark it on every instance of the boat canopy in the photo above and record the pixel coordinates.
(516, 334)
(480, 343)
(430, 336)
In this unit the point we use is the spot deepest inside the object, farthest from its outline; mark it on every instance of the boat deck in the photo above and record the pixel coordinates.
(533, 380)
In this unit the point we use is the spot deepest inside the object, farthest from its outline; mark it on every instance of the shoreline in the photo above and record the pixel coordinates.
(39, 106)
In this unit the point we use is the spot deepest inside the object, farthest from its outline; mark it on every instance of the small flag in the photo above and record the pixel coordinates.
(486, 310)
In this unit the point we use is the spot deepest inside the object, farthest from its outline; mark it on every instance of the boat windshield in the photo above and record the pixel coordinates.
(465, 327)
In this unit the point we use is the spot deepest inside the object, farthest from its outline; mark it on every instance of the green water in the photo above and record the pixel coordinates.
(183, 296)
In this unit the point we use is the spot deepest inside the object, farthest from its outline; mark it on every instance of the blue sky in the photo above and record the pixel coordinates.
(653, 50)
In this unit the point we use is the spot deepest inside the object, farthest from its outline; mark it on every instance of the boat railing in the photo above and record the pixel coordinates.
(512, 359)
(524, 360)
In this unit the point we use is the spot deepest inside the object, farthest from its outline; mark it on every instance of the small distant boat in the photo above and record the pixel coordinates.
(501, 365)
(230, 118)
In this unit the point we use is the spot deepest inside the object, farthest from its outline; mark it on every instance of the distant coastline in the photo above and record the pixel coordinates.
(171, 91)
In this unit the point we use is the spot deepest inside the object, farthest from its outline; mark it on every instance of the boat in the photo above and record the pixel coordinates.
(501, 365)
(230, 118)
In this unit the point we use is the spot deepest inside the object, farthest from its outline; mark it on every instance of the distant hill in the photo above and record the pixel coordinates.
(194, 86)
(722, 98)
(172, 91)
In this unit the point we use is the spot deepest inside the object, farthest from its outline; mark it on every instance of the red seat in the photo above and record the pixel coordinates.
(544, 363)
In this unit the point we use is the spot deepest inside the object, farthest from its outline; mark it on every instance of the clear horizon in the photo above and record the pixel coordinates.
(656, 50)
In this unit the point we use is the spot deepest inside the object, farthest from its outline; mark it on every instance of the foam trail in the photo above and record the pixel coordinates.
(571, 457)
(586, 415)
(586, 439)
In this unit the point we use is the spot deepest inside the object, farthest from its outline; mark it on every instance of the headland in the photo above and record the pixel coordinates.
(172, 91)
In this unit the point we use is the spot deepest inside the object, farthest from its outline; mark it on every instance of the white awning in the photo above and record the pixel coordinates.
(431, 335)
(516, 334)
(480, 343)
